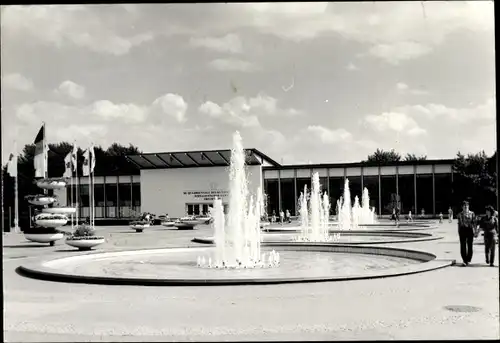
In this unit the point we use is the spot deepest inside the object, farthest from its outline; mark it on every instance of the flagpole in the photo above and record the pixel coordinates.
(16, 195)
(45, 156)
(71, 192)
(92, 177)
(90, 188)
(77, 191)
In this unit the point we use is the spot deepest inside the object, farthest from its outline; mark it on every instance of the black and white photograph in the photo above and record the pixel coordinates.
(249, 171)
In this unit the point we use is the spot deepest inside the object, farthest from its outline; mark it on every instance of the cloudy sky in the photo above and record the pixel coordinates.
(303, 82)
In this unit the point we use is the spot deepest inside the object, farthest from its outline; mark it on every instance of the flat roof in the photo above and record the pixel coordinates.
(194, 159)
(362, 164)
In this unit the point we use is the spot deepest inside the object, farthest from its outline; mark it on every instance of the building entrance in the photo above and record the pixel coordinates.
(194, 209)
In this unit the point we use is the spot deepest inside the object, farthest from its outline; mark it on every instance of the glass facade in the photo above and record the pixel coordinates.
(111, 190)
(111, 200)
(355, 188)
(424, 194)
(443, 191)
(406, 187)
(370, 182)
(410, 191)
(99, 200)
(336, 191)
(288, 201)
(272, 194)
(388, 193)
(136, 198)
(124, 200)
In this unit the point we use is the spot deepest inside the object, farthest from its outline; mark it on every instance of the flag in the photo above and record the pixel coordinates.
(40, 153)
(74, 155)
(12, 165)
(92, 158)
(68, 170)
(86, 162)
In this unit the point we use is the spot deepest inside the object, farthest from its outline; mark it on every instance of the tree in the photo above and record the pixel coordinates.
(119, 150)
(381, 157)
(475, 180)
(413, 157)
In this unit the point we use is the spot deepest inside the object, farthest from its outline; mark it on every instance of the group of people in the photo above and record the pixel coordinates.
(284, 217)
(469, 226)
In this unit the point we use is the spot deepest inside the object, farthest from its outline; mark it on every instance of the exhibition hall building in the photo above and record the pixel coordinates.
(185, 183)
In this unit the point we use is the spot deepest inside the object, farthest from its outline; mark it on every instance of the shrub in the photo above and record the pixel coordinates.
(84, 231)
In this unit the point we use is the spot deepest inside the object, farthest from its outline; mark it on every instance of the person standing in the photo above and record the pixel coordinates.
(489, 225)
(466, 228)
(287, 216)
(450, 215)
(410, 218)
(282, 216)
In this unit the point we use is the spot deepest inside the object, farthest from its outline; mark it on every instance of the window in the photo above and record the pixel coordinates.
(336, 189)
(111, 200)
(99, 200)
(272, 195)
(124, 199)
(388, 193)
(406, 186)
(288, 195)
(443, 185)
(136, 197)
(424, 193)
(370, 182)
(355, 188)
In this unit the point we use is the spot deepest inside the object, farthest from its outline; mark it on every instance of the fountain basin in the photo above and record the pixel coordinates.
(163, 267)
(386, 227)
(59, 210)
(85, 243)
(186, 225)
(346, 237)
(139, 227)
(40, 200)
(43, 237)
(50, 220)
(51, 183)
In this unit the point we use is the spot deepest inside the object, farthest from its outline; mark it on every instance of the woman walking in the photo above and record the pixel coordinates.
(466, 228)
(489, 225)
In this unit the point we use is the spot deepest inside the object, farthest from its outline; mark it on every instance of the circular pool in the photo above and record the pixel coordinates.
(344, 237)
(177, 266)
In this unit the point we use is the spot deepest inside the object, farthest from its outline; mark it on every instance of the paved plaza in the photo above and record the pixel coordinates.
(450, 303)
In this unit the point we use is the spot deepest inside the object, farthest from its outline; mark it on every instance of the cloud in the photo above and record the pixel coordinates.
(129, 113)
(328, 136)
(17, 82)
(352, 67)
(401, 51)
(394, 121)
(224, 64)
(233, 113)
(172, 105)
(229, 43)
(403, 88)
(62, 25)
(71, 89)
(243, 111)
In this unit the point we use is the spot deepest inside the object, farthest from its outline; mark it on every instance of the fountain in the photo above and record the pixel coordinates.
(244, 255)
(48, 219)
(315, 217)
(360, 214)
(237, 239)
